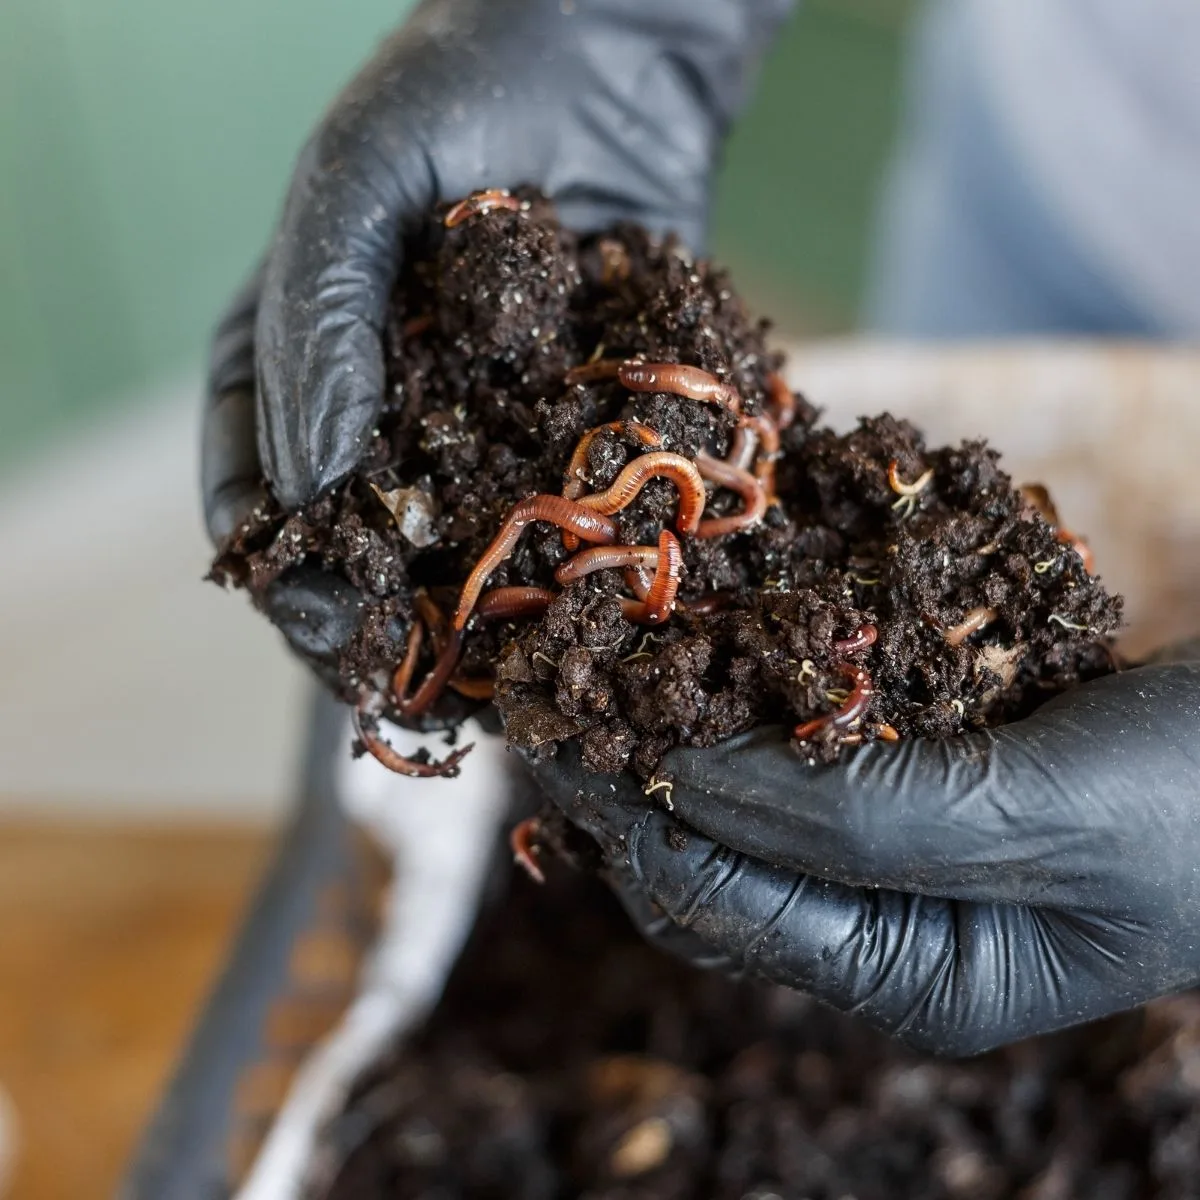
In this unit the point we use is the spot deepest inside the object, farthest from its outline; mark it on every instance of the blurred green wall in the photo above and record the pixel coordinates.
(144, 146)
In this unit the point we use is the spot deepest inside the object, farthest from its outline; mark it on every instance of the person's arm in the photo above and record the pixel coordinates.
(615, 108)
(958, 894)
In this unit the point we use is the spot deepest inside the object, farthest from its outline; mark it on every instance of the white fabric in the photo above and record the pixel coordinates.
(440, 834)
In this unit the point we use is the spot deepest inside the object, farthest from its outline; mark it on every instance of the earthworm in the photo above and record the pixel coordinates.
(682, 472)
(751, 434)
(754, 496)
(852, 711)
(973, 621)
(1079, 546)
(903, 489)
(783, 402)
(502, 603)
(403, 674)
(660, 600)
(742, 446)
(574, 483)
(594, 371)
(429, 612)
(768, 452)
(639, 581)
(690, 382)
(524, 850)
(379, 750)
(478, 203)
(415, 326)
(499, 604)
(473, 687)
(1038, 499)
(604, 558)
(432, 685)
(589, 524)
(704, 606)
(448, 653)
(860, 639)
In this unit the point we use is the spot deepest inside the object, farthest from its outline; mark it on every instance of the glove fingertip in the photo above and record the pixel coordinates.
(317, 613)
(226, 508)
(317, 413)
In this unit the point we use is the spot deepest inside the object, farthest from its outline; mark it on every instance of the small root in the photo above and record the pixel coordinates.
(909, 493)
(666, 786)
(1056, 619)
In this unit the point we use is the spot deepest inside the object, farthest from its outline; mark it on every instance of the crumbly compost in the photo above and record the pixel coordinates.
(885, 589)
(568, 1058)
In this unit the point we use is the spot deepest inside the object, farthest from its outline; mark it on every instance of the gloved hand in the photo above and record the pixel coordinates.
(615, 108)
(957, 894)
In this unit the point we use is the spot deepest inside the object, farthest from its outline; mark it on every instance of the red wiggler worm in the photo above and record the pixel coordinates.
(574, 484)
(860, 639)
(500, 604)
(605, 558)
(852, 711)
(590, 524)
(783, 402)
(682, 472)
(660, 600)
(379, 750)
(690, 382)
(478, 203)
(751, 490)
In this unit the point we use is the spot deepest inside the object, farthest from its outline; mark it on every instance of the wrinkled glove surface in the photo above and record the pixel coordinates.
(957, 894)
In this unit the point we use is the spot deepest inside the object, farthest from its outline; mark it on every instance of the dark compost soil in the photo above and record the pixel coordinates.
(570, 1059)
(487, 322)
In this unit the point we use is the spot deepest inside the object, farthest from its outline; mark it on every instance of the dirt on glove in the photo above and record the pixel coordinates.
(908, 591)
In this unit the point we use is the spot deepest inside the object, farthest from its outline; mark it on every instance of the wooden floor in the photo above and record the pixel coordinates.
(109, 940)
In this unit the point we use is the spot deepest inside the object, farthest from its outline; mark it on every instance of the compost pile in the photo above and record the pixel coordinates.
(570, 1059)
(673, 549)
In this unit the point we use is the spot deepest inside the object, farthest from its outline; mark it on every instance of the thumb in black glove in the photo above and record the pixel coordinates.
(616, 110)
(957, 894)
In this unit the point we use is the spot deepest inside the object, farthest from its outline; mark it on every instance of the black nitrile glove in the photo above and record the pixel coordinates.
(615, 108)
(958, 894)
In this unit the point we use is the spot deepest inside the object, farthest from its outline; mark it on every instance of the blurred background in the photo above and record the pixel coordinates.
(149, 724)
